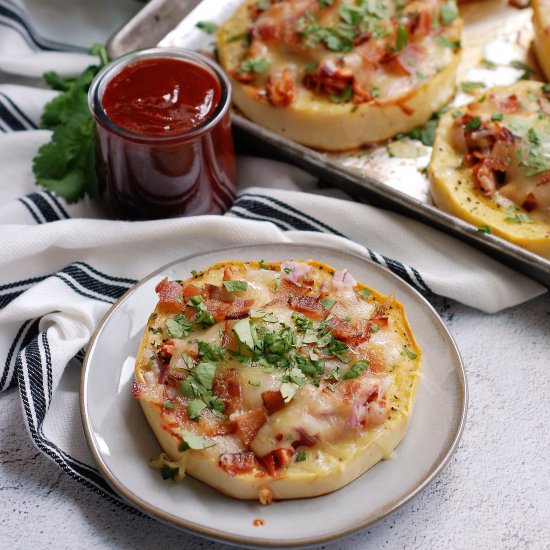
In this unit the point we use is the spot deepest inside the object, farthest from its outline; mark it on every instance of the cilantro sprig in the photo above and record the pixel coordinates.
(66, 164)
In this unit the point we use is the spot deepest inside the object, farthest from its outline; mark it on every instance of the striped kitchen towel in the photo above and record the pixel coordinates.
(62, 266)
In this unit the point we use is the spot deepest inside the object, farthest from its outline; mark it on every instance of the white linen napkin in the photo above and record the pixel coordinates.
(62, 266)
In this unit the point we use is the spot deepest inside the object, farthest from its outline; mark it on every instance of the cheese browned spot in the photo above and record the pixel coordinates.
(338, 74)
(283, 382)
(491, 164)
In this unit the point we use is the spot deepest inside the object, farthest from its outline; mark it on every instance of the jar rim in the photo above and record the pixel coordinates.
(113, 68)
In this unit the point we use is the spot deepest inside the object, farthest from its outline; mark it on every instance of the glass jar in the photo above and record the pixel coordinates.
(158, 155)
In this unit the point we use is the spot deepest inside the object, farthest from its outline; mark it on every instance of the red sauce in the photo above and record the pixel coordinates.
(158, 156)
(161, 97)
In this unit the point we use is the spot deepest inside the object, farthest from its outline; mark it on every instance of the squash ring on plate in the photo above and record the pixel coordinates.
(275, 380)
(335, 75)
(541, 23)
(491, 164)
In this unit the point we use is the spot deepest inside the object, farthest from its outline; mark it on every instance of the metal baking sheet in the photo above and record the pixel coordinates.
(392, 175)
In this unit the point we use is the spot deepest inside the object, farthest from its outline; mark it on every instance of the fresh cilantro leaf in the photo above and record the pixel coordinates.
(66, 165)
(473, 124)
(445, 42)
(194, 441)
(527, 70)
(519, 218)
(244, 334)
(211, 351)
(469, 86)
(263, 265)
(327, 303)
(344, 97)
(254, 66)
(448, 13)
(194, 408)
(356, 369)
(179, 326)
(207, 26)
(497, 117)
(169, 473)
(374, 329)
(402, 38)
(168, 405)
(300, 455)
(410, 353)
(235, 286)
(484, 229)
(365, 293)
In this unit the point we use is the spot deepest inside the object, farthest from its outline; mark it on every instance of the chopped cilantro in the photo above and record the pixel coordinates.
(484, 229)
(300, 455)
(365, 293)
(473, 124)
(203, 317)
(448, 13)
(445, 42)
(519, 218)
(194, 409)
(244, 334)
(469, 86)
(263, 265)
(497, 117)
(527, 70)
(410, 353)
(207, 26)
(169, 473)
(402, 38)
(179, 326)
(356, 369)
(254, 66)
(374, 328)
(168, 405)
(344, 97)
(193, 441)
(327, 303)
(235, 286)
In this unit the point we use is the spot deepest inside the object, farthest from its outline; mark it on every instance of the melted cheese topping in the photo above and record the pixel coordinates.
(506, 137)
(297, 50)
(310, 362)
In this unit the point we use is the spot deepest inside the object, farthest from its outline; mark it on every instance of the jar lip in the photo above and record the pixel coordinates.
(114, 67)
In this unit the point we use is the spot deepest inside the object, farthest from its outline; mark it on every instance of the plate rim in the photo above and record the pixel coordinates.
(224, 536)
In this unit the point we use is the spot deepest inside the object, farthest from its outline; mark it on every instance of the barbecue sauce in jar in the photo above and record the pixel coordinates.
(165, 147)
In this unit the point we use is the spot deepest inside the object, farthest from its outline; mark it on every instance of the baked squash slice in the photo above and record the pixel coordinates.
(541, 24)
(337, 74)
(491, 164)
(275, 380)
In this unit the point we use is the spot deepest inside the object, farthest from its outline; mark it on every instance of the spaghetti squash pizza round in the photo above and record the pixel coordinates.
(491, 164)
(275, 380)
(337, 74)
(541, 24)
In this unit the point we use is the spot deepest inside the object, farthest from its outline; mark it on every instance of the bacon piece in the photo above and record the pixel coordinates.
(530, 203)
(346, 390)
(249, 423)
(138, 389)
(226, 386)
(168, 348)
(276, 460)
(406, 62)
(170, 295)
(485, 178)
(235, 463)
(508, 105)
(229, 339)
(349, 333)
(281, 88)
(273, 401)
(309, 305)
(239, 308)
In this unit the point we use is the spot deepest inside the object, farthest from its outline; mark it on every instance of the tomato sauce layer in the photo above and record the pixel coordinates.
(161, 97)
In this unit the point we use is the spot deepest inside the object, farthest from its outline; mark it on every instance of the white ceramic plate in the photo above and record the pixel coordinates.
(122, 442)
